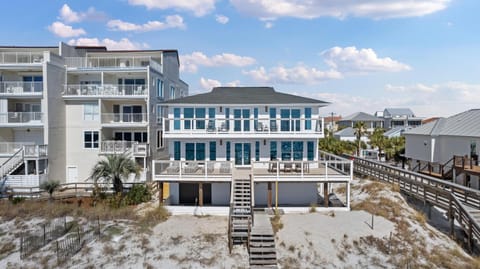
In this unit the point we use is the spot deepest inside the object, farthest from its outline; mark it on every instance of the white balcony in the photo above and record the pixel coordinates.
(120, 147)
(10, 148)
(107, 62)
(246, 128)
(332, 170)
(21, 88)
(105, 91)
(21, 119)
(21, 58)
(35, 151)
(125, 119)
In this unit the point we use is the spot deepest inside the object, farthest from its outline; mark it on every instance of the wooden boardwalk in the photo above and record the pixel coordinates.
(462, 203)
(262, 243)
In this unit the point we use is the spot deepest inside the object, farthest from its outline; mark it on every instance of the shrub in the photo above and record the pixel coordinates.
(138, 194)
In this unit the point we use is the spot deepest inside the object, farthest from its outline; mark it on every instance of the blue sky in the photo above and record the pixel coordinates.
(360, 55)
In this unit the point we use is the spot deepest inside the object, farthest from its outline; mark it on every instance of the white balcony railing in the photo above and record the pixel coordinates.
(332, 170)
(35, 151)
(237, 126)
(113, 62)
(21, 57)
(201, 170)
(10, 148)
(21, 88)
(21, 117)
(120, 147)
(105, 90)
(130, 118)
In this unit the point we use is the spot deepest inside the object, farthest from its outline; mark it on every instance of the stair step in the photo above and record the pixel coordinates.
(264, 263)
(239, 234)
(257, 250)
(260, 257)
(256, 244)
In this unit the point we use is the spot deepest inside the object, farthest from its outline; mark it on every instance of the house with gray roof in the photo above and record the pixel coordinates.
(400, 117)
(253, 135)
(440, 140)
(371, 122)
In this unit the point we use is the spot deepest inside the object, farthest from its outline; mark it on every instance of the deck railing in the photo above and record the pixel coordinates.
(113, 62)
(247, 125)
(192, 169)
(21, 87)
(36, 151)
(21, 57)
(105, 90)
(120, 147)
(10, 148)
(108, 118)
(21, 117)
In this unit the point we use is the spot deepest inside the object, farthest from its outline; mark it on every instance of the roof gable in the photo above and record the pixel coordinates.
(360, 116)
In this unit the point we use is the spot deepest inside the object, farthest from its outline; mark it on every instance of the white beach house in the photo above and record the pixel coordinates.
(246, 132)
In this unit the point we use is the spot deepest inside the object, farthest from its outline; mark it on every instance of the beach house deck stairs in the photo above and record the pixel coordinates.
(240, 216)
(262, 243)
(11, 164)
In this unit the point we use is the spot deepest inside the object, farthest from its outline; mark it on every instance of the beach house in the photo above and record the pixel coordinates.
(257, 134)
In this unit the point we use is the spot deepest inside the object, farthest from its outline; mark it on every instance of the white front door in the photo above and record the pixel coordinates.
(72, 174)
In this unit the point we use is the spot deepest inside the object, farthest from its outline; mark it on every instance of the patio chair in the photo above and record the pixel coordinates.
(173, 168)
(287, 167)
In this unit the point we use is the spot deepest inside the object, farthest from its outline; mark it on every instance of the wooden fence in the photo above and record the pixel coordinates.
(74, 241)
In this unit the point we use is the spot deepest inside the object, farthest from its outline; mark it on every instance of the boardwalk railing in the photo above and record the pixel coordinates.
(457, 199)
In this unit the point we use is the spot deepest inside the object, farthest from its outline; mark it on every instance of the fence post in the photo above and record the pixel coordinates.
(44, 235)
(21, 245)
(65, 223)
(98, 226)
(78, 234)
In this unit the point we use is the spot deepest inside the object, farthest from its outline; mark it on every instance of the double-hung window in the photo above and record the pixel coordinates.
(160, 88)
(90, 139)
(90, 112)
(172, 92)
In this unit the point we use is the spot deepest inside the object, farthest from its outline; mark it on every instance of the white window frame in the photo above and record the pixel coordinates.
(93, 141)
(160, 88)
(94, 115)
(172, 92)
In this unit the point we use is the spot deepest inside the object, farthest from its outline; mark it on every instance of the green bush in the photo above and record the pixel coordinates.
(16, 200)
(138, 194)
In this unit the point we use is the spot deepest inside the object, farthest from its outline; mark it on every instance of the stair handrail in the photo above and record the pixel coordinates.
(449, 163)
(230, 241)
(251, 197)
(7, 165)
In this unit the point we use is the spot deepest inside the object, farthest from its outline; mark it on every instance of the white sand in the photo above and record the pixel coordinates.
(308, 240)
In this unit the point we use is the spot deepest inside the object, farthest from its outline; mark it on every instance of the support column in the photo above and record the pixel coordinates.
(269, 195)
(200, 194)
(160, 192)
(325, 194)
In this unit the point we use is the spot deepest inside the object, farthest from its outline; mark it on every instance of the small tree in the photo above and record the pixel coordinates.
(50, 186)
(378, 140)
(360, 130)
(113, 168)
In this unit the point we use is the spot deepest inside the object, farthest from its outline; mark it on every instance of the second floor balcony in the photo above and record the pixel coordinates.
(125, 119)
(21, 88)
(121, 147)
(244, 127)
(113, 62)
(21, 57)
(105, 90)
(21, 119)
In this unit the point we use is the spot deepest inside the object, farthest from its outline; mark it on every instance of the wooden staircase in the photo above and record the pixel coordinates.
(262, 243)
(12, 164)
(240, 217)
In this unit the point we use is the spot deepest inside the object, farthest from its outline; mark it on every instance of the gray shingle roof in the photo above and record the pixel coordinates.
(464, 124)
(399, 112)
(349, 131)
(360, 116)
(245, 95)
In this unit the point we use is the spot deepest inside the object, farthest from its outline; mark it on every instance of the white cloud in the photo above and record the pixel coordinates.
(208, 84)
(222, 19)
(417, 88)
(122, 44)
(69, 16)
(299, 74)
(308, 9)
(190, 62)
(198, 7)
(350, 59)
(62, 30)
(174, 21)
(268, 24)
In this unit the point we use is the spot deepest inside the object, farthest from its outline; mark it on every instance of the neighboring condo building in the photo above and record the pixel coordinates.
(83, 102)
(246, 132)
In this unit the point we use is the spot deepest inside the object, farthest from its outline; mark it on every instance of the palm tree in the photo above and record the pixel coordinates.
(113, 169)
(378, 140)
(360, 130)
(50, 186)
